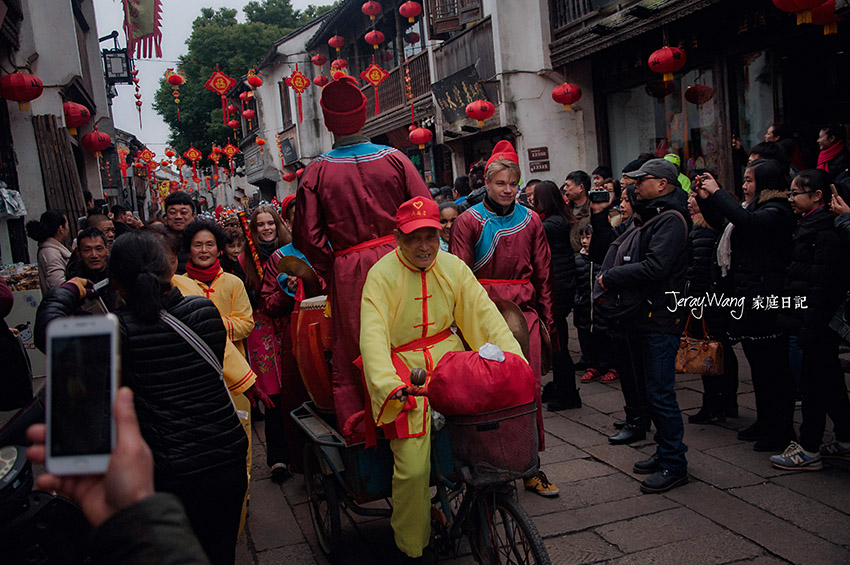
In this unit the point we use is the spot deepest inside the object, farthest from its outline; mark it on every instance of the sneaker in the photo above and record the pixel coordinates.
(795, 458)
(590, 375)
(541, 485)
(280, 472)
(611, 376)
(834, 450)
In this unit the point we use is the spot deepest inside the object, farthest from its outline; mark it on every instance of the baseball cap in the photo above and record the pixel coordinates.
(419, 212)
(659, 168)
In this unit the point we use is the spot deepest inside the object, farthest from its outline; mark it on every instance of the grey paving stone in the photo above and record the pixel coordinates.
(621, 457)
(576, 470)
(708, 436)
(271, 522)
(719, 472)
(779, 537)
(688, 399)
(300, 554)
(602, 423)
(803, 511)
(587, 517)
(828, 487)
(582, 494)
(574, 433)
(557, 452)
(657, 529)
(606, 402)
(583, 547)
(742, 455)
(720, 547)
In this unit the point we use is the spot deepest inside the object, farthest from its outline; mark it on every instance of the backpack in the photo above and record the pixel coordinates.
(626, 249)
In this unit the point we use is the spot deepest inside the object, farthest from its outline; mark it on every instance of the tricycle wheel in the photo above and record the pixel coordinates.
(503, 533)
(323, 502)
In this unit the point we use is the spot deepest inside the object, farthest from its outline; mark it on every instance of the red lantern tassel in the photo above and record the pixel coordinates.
(299, 107)
(224, 109)
(208, 182)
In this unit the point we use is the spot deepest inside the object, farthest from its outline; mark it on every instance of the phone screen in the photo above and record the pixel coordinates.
(80, 397)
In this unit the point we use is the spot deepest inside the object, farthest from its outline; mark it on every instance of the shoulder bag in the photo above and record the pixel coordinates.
(699, 356)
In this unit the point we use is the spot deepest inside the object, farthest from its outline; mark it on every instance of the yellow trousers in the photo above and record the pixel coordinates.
(411, 519)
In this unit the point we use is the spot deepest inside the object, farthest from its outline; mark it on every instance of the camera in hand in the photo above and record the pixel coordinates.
(599, 195)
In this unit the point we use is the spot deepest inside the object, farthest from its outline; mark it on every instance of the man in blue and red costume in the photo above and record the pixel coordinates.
(344, 220)
(506, 247)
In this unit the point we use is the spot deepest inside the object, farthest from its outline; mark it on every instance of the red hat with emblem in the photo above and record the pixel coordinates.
(419, 212)
(284, 204)
(503, 150)
(343, 106)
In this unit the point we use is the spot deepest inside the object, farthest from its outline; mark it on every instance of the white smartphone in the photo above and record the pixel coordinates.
(82, 381)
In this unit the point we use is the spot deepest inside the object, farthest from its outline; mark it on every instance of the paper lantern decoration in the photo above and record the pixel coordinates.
(21, 88)
(193, 156)
(298, 82)
(233, 124)
(410, 10)
(289, 177)
(659, 89)
(374, 38)
(230, 152)
(220, 83)
(96, 141)
(386, 56)
(411, 38)
(215, 156)
(146, 155)
(299, 172)
(699, 94)
(122, 151)
(371, 9)
(138, 94)
(566, 94)
(75, 116)
(480, 110)
(667, 61)
(249, 115)
(824, 15)
(232, 109)
(337, 42)
(375, 75)
(254, 80)
(318, 60)
(803, 8)
(321, 81)
(179, 162)
(170, 153)
(176, 80)
(420, 136)
(339, 65)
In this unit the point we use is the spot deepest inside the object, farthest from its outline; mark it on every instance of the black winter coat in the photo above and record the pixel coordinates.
(761, 251)
(185, 412)
(842, 226)
(563, 264)
(818, 271)
(584, 316)
(702, 257)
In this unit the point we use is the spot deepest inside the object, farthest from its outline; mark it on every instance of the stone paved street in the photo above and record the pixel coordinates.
(736, 507)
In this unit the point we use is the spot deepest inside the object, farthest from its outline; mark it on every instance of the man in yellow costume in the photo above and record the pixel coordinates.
(410, 299)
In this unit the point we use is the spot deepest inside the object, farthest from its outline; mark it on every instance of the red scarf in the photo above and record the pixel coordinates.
(828, 154)
(206, 276)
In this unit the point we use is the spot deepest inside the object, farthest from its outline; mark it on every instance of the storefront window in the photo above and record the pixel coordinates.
(660, 119)
(756, 89)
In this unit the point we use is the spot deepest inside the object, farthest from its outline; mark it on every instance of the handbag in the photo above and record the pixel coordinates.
(839, 323)
(699, 356)
(16, 380)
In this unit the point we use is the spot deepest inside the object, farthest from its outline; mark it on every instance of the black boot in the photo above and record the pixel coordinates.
(567, 401)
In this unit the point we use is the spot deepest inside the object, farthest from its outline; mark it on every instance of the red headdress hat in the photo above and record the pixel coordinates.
(284, 204)
(343, 106)
(503, 150)
(419, 212)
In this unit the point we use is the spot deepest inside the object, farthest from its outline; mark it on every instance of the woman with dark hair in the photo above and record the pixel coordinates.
(557, 221)
(754, 251)
(449, 211)
(49, 231)
(833, 157)
(185, 413)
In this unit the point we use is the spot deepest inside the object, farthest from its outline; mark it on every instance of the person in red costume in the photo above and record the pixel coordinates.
(506, 247)
(344, 219)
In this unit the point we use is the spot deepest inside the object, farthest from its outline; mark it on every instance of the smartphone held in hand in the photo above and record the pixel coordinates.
(82, 380)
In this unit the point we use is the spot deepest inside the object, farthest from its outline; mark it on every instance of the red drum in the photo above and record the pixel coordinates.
(311, 337)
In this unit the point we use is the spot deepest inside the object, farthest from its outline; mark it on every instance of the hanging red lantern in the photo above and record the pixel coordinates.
(412, 37)
(232, 109)
(248, 114)
(337, 42)
(824, 15)
(75, 116)
(480, 110)
(170, 153)
(96, 141)
(386, 56)
(318, 60)
(122, 151)
(233, 124)
(289, 177)
(659, 89)
(215, 157)
(21, 88)
(803, 8)
(321, 81)
(410, 10)
(371, 9)
(254, 80)
(667, 61)
(566, 94)
(298, 82)
(420, 136)
(137, 94)
(299, 172)
(374, 38)
(699, 94)
(339, 64)
(176, 80)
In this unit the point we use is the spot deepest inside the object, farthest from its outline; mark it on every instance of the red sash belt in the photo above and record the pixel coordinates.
(423, 342)
(503, 282)
(370, 244)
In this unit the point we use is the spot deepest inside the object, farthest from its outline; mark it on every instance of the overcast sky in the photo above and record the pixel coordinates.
(177, 18)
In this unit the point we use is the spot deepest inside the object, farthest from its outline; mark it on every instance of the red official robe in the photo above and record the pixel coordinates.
(345, 204)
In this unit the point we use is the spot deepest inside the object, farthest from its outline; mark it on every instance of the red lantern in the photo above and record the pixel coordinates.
(371, 9)
(480, 110)
(261, 141)
(659, 89)
(254, 81)
(299, 172)
(338, 75)
(410, 10)
(374, 38)
(566, 94)
(386, 56)
(170, 153)
(321, 81)
(699, 94)
(824, 15)
(176, 80)
(337, 42)
(233, 124)
(420, 136)
(803, 8)
(319, 60)
(289, 177)
(75, 116)
(339, 64)
(667, 61)
(21, 88)
(248, 114)
(96, 141)
(412, 37)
